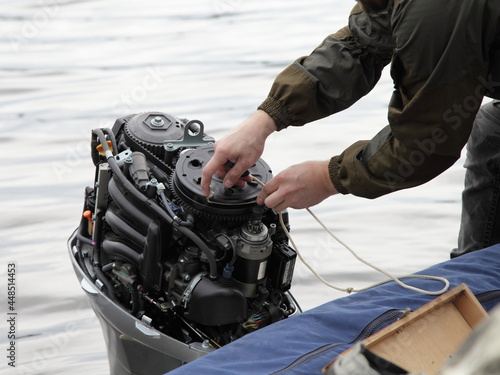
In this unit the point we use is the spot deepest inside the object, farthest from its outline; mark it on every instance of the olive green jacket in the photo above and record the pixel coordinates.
(444, 55)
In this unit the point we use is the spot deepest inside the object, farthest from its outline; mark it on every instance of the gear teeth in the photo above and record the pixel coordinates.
(200, 213)
(156, 150)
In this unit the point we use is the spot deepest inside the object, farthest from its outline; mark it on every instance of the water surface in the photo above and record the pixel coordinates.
(70, 66)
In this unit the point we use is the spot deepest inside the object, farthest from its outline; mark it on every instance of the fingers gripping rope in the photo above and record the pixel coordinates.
(350, 289)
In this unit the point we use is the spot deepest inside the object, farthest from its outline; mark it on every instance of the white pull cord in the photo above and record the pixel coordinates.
(350, 289)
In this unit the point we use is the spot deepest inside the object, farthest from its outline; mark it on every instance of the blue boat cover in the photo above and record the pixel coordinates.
(304, 344)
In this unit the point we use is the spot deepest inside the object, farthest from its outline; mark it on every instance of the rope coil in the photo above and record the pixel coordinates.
(350, 290)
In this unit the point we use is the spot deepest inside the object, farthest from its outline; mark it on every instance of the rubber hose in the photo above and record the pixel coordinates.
(124, 229)
(127, 185)
(116, 249)
(137, 216)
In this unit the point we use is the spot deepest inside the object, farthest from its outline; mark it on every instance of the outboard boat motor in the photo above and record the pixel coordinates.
(172, 275)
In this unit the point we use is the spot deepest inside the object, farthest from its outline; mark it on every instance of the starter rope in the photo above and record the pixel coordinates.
(350, 289)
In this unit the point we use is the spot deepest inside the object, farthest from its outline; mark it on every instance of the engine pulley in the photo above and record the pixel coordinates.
(232, 203)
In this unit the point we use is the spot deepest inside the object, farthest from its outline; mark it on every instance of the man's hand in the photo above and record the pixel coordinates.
(299, 186)
(242, 147)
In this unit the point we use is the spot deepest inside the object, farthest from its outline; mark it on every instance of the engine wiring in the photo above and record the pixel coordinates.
(253, 322)
(203, 274)
(350, 290)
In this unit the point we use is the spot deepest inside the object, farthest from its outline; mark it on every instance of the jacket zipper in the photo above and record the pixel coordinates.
(489, 296)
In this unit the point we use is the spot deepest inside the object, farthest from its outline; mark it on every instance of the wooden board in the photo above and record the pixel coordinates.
(424, 339)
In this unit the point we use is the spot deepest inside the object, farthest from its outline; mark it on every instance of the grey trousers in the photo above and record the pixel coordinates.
(480, 223)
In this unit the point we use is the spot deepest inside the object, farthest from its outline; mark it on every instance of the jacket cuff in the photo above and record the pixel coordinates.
(277, 111)
(333, 169)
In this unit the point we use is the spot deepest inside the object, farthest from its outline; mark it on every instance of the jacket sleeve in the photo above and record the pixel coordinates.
(341, 70)
(440, 70)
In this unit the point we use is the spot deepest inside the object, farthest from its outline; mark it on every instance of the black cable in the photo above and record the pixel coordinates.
(112, 138)
(129, 187)
(96, 262)
(166, 203)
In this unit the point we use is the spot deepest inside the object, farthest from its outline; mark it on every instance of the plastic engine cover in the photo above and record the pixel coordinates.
(214, 304)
